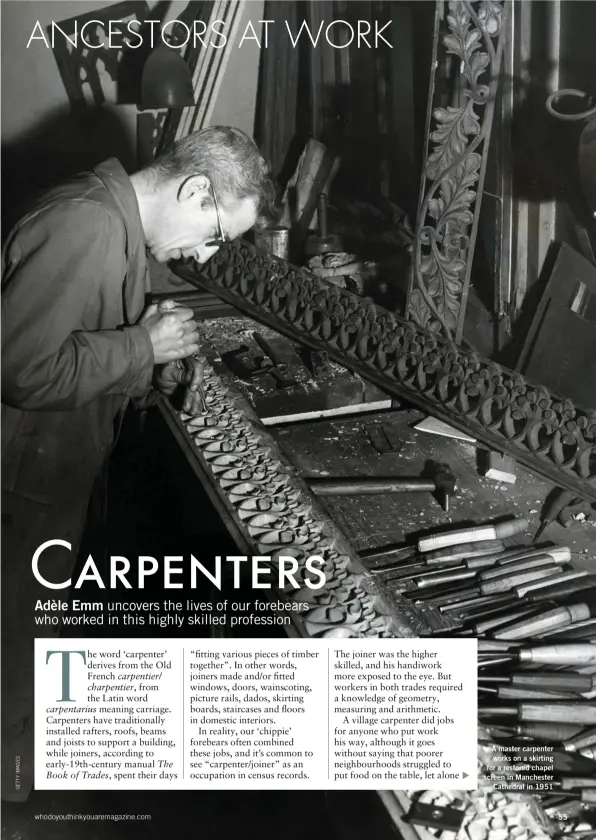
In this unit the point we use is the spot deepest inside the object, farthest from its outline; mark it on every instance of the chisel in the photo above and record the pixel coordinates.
(498, 531)
(588, 797)
(478, 628)
(569, 681)
(393, 550)
(455, 553)
(496, 569)
(478, 601)
(462, 571)
(540, 592)
(575, 782)
(562, 585)
(563, 654)
(500, 584)
(554, 733)
(581, 630)
(559, 617)
(492, 646)
(466, 591)
(506, 692)
(567, 585)
(586, 739)
(468, 560)
(518, 553)
(559, 712)
(589, 752)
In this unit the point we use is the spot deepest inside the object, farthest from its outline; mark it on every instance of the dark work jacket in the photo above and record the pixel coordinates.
(74, 280)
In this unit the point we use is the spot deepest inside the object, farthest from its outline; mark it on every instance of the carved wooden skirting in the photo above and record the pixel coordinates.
(271, 512)
(549, 435)
(455, 162)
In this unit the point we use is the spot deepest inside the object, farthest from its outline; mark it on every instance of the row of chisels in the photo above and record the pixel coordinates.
(534, 615)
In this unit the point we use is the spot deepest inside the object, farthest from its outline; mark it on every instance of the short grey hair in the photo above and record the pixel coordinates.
(229, 158)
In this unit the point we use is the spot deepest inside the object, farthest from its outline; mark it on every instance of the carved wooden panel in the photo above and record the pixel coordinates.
(90, 69)
(455, 160)
(499, 407)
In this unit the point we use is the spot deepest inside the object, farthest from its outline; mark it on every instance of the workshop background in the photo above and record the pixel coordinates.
(443, 183)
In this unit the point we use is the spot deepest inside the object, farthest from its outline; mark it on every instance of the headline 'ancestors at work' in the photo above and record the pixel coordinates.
(338, 34)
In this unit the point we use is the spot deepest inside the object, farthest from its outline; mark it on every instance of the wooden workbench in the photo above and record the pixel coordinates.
(342, 447)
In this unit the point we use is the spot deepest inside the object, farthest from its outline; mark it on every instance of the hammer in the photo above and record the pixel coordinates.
(441, 484)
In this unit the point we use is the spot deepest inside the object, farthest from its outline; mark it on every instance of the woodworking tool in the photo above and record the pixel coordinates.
(472, 603)
(455, 553)
(494, 571)
(245, 364)
(556, 712)
(558, 617)
(500, 584)
(553, 508)
(541, 589)
(586, 738)
(479, 628)
(569, 681)
(588, 797)
(566, 584)
(393, 550)
(506, 692)
(498, 531)
(582, 630)
(575, 782)
(468, 560)
(492, 645)
(550, 732)
(505, 611)
(563, 654)
(441, 483)
(435, 816)
(278, 362)
(516, 553)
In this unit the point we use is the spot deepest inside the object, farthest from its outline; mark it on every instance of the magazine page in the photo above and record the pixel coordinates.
(299, 419)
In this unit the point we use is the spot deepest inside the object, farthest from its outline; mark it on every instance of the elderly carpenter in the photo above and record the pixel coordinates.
(78, 344)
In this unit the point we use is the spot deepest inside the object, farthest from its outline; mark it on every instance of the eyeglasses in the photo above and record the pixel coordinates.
(221, 238)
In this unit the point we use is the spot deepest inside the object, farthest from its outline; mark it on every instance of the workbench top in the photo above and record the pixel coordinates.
(342, 447)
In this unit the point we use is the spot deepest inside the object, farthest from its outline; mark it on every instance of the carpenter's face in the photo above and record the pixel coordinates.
(192, 223)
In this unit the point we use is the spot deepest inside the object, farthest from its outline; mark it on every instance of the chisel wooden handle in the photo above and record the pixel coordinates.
(586, 739)
(556, 552)
(559, 712)
(507, 581)
(575, 782)
(559, 617)
(581, 630)
(566, 584)
(481, 627)
(517, 566)
(456, 553)
(498, 531)
(546, 681)
(508, 692)
(573, 654)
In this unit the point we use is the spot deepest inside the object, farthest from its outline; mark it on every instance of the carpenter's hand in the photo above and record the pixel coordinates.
(188, 372)
(172, 331)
